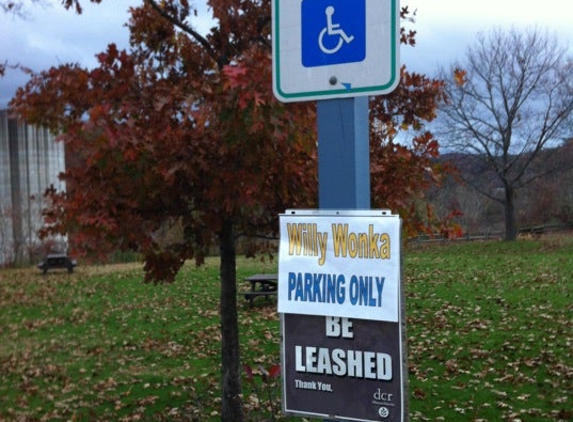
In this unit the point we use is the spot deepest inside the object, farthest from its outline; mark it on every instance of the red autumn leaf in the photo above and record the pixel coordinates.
(460, 77)
(274, 371)
(249, 372)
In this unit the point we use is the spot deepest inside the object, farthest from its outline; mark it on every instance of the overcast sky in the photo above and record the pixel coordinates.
(50, 36)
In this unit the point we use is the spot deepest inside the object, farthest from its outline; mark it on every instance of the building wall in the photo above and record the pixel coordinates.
(30, 161)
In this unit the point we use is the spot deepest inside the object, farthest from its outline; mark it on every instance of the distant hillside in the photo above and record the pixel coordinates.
(546, 197)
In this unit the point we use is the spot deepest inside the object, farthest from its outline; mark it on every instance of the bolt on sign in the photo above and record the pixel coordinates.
(340, 300)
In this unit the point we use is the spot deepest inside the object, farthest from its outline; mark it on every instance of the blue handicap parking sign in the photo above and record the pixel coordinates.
(333, 32)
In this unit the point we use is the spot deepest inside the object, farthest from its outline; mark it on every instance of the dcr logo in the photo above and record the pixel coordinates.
(333, 32)
(381, 396)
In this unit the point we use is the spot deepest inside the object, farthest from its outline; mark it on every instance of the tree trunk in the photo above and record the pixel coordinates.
(231, 410)
(510, 229)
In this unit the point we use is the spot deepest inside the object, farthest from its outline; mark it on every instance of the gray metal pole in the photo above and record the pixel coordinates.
(343, 154)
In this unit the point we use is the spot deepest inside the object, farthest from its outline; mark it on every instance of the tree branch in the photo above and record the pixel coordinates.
(187, 29)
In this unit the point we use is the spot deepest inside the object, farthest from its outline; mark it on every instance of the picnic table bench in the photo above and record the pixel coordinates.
(264, 285)
(57, 261)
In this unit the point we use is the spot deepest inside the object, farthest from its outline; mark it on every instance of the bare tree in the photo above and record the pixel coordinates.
(511, 99)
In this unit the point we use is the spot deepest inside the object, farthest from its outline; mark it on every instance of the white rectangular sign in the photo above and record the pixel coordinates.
(340, 263)
(334, 48)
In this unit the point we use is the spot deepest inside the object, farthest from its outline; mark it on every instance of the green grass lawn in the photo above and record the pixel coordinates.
(490, 335)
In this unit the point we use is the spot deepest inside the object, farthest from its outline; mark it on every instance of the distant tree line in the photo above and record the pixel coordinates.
(546, 201)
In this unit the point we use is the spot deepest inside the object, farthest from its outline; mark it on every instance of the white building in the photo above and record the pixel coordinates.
(30, 161)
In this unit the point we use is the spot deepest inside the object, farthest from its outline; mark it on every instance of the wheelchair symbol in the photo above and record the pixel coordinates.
(332, 32)
(332, 29)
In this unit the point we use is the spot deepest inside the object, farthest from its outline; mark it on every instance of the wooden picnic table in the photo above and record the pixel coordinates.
(264, 285)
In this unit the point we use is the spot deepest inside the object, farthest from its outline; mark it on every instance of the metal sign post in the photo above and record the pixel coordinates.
(343, 154)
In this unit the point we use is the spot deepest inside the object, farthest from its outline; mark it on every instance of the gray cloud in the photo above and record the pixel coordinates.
(49, 36)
